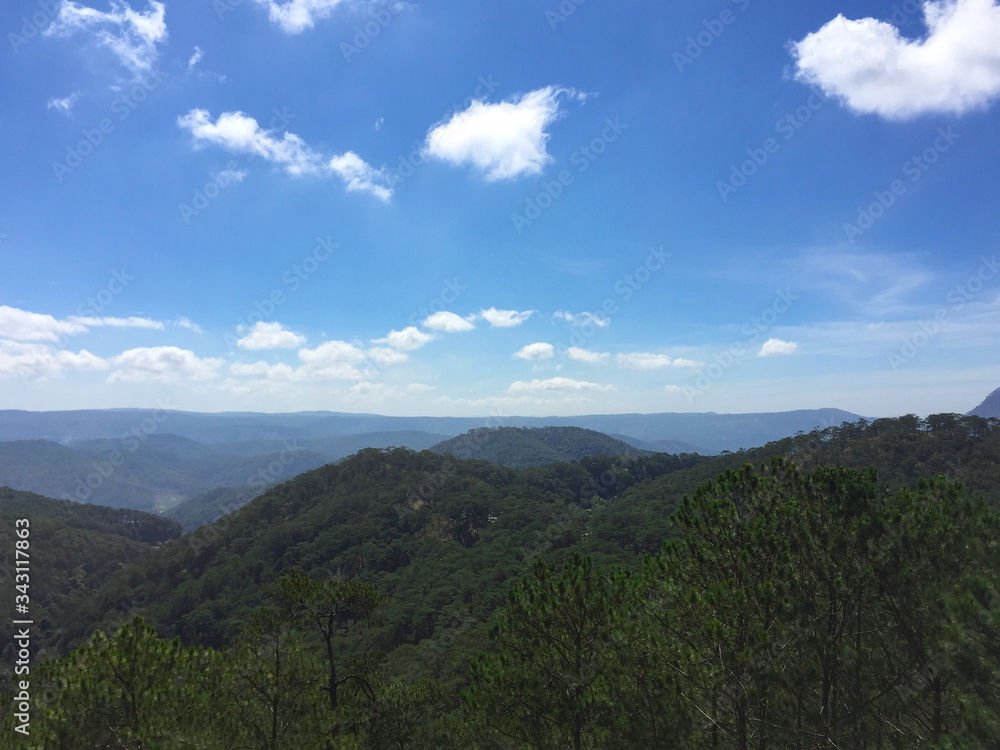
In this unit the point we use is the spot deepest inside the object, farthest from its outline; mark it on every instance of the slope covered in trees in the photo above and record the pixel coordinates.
(520, 447)
(78, 548)
(792, 610)
(990, 407)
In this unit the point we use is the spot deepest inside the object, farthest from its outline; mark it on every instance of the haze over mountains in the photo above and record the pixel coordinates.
(705, 432)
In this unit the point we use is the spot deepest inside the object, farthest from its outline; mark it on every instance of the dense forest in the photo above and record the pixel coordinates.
(785, 597)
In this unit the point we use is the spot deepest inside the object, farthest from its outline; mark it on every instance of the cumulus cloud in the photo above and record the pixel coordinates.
(584, 355)
(867, 64)
(773, 347)
(643, 360)
(383, 356)
(448, 322)
(505, 318)
(582, 319)
(22, 325)
(505, 140)
(650, 361)
(63, 105)
(534, 352)
(40, 360)
(264, 371)
(237, 132)
(408, 339)
(132, 37)
(196, 57)
(296, 16)
(162, 364)
(556, 384)
(336, 360)
(270, 336)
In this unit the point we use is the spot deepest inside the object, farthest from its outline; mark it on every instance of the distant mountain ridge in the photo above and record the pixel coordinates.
(520, 447)
(990, 407)
(708, 431)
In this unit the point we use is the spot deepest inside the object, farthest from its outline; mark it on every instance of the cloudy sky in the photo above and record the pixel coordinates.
(524, 207)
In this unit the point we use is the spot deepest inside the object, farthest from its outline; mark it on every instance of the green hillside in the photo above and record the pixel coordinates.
(777, 581)
(520, 447)
(74, 549)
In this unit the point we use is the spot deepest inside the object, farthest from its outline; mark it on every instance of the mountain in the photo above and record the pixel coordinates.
(990, 406)
(519, 447)
(129, 474)
(74, 548)
(445, 537)
(337, 447)
(712, 433)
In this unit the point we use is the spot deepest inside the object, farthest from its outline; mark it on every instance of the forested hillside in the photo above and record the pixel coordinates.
(793, 606)
(80, 546)
(520, 447)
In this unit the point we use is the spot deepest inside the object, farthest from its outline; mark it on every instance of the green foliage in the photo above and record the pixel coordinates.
(520, 447)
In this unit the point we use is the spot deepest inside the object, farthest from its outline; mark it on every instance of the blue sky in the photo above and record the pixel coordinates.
(511, 208)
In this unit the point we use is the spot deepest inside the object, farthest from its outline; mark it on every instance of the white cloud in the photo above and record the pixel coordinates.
(505, 141)
(183, 322)
(130, 322)
(408, 339)
(535, 351)
(383, 391)
(777, 347)
(643, 360)
(556, 384)
(681, 362)
(448, 322)
(360, 176)
(873, 69)
(132, 37)
(40, 360)
(295, 16)
(591, 358)
(22, 325)
(265, 371)
(162, 364)
(505, 318)
(195, 57)
(384, 356)
(240, 133)
(332, 360)
(582, 319)
(270, 336)
(673, 389)
(63, 105)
